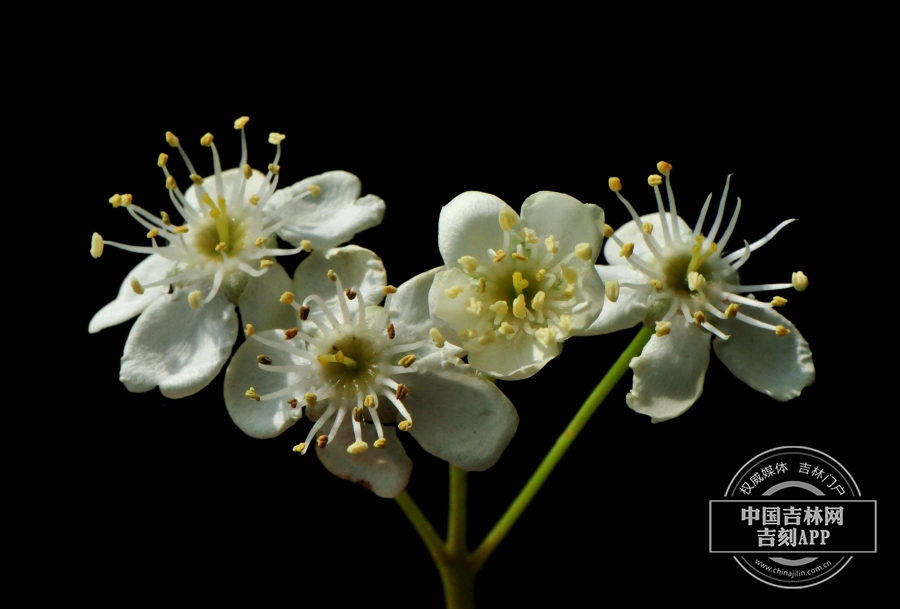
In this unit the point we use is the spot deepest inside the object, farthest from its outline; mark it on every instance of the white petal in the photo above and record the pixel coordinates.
(128, 304)
(668, 374)
(469, 225)
(629, 233)
(515, 359)
(410, 313)
(228, 177)
(354, 265)
(384, 471)
(591, 291)
(457, 414)
(450, 314)
(267, 418)
(178, 348)
(630, 308)
(779, 366)
(329, 219)
(569, 221)
(260, 303)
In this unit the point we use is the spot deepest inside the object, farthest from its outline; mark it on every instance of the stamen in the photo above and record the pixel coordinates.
(251, 393)
(718, 221)
(239, 123)
(300, 448)
(407, 360)
(508, 219)
(518, 283)
(306, 244)
(197, 180)
(170, 183)
(657, 285)
(474, 306)
(626, 250)
(540, 275)
(264, 360)
(437, 337)
(153, 233)
(537, 303)
(136, 286)
(482, 285)
(390, 331)
(699, 318)
(546, 336)
(404, 425)
(402, 391)
(781, 331)
(730, 229)
(165, 218)
(564, 322)
(778, 301)
(97, 245)
(488, 337)
(247, 171)
(287, 298)
(180, 230)
(519, 309)
(206, 140)
(350, 294)
(699, 226)
(569, 274)
(332, 276)
(453, 292)
(253, 200)
(264, 264)
(310, 399)
(379, 443)
(519, 257)
(506, 329)
(612, 290)
(275, 169)
(289, 334)
(732, 310)
(552, 245)
(499, 256)
(276, 138)
(314, 190)
(321, 441)
(467, 334)
(648, 228)
(357, 447)
(389, 289)
(369, 401)
(249, 330)
(757, 244)
(304, 313)
(584, 251)
(162, 160)
(171, 140)
(194, 299)
(663, 328)
(696, 281)
(798, 280)
(469, 264)
(615, 184)
(293, 402)
(608, 231)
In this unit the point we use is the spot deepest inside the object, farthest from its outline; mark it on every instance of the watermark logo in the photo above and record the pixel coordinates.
(792, 517)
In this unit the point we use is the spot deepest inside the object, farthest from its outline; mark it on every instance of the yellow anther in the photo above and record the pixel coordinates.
(569, 274)
(247, 171)
(699, 318)
(96, 245)
(264, 264)
(612, 290)
(404, 425)
(519, 284)
(310, 399)
(153, 232)
(389, 289)
(778, 301)
(276, 138)
(314, 190)
(275, 169)
(508, 218)
(289, 334)
(170, 183)
(654, 180)
(253, 200)
(251, 393)
(265, 360)
(626, 250)
(306, 245)
(552, 244)
(537, 303)
(500, 256)
(540, 275)
(663, 328)
(293, 402)
(500, 308)
(482, 285)
(657, 285)
(221, 247)
(249, 330)
(287, 298)
(332, 276)
(300, 447)
(369, 401)
(116, 200)
(453, 292)
(584, 251)
(136, 286)
(565, 321)
(467, 334)
(781, 331)
(194, 299)
(506, 328)
(126, 199)
(239, 123)
(321, 441)
(468, 263)
(615, 184)
(407, 360)
(198, 180)
(437, 337)
(647, 228)
(519, 309)
(474, 306)
(546, 335)
(214, 213)
(165, 218)
(569, 291)
(171, 140)
(528, 235)
(304, 312)
(799, 281)
(379, 443)
(402, 392)
(696, 281)
(260, 241)
(206, 140)
(608, 231)
(732, 310)
(357, 448)
(664, 168)
(162, 160)
(488, 337)
(519, 257)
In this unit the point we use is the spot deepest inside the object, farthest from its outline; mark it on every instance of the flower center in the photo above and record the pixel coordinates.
(220, 238)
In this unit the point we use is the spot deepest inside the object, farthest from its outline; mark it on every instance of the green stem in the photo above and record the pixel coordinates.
(503, 526)
(423, 527)
(456, 521)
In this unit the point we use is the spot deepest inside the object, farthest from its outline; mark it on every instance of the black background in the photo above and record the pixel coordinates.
(176, 498)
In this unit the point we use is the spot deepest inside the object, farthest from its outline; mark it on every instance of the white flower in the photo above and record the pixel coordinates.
(356, 369)
(221, 256)
(514, 288)
(686, 286)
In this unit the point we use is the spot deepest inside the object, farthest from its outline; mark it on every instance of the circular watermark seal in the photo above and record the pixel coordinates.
(792, 518)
